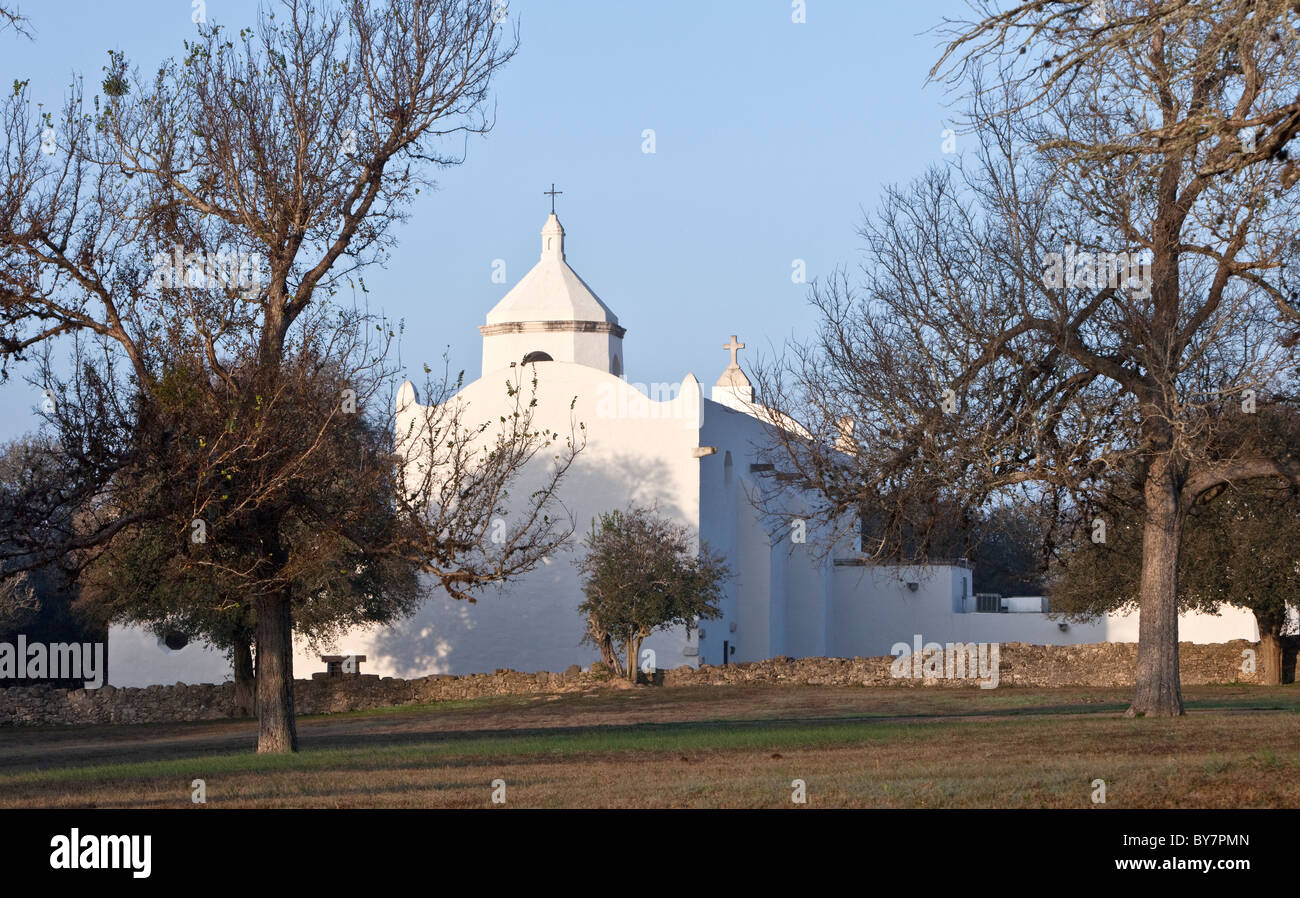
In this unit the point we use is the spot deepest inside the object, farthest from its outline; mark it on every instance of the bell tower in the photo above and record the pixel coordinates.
(551, 315)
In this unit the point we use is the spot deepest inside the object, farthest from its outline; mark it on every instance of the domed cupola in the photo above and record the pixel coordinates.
(552, 315)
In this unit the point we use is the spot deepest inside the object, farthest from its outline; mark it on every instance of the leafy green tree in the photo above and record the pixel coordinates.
(1005, 543)
(39, 603)
(186, 243)
(1008, 555)
(641, 573)
(194, 569)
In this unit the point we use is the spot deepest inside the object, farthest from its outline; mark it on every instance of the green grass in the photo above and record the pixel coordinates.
(736, 746)
(713, 736)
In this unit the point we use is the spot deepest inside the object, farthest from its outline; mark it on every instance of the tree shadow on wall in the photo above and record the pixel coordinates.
(530, 622)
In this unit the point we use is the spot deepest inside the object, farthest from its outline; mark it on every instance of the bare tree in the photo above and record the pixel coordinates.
(188, 234)
(11, 18)
(1107, 272)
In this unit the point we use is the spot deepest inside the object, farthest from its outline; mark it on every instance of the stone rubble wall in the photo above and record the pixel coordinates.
(1020, 665)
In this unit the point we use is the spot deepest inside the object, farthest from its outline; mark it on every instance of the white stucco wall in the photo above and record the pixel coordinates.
(638, 450)
(786, 598)
(874, 609)
(593, 349)
(137, 658)
(1231, 623)
(754, 612)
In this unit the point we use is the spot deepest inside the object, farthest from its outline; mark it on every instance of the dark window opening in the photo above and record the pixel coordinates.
(176, 640)
(537, 357)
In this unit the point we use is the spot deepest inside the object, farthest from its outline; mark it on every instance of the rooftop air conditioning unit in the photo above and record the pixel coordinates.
(988, 603)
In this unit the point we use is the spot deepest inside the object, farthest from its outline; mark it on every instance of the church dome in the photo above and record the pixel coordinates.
(552, 315)
(551, 291)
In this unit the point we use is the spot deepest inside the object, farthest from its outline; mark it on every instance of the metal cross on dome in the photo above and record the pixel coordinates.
(552, 193)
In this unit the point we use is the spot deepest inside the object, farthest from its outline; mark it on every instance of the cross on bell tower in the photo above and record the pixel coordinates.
(733, 387)
(734, 347)
(552, 193)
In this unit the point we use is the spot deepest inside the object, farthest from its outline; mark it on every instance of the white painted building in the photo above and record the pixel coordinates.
(878, 606)
(692, 455)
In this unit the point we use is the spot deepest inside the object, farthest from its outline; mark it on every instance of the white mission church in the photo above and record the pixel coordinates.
(693, 455)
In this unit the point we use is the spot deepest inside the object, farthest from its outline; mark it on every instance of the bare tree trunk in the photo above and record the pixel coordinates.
(1159, 693)
(1270, 658)
(276, 732)
(245, 676)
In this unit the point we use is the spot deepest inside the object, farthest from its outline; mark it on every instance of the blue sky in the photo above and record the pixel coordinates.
(771, 138)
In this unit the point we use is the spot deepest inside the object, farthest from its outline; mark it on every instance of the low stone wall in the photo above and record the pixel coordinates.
(1102, 664)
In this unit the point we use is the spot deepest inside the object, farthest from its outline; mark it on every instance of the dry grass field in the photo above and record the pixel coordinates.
(697, 747)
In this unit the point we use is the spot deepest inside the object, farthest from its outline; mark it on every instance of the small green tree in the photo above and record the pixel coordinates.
(641, 574)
